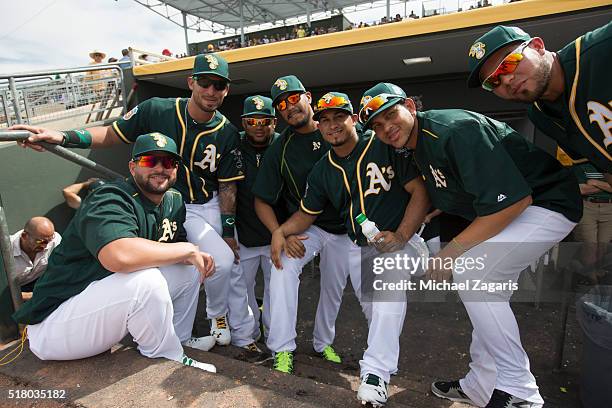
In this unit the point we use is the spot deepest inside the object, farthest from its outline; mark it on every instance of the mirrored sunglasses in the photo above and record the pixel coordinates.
(333, 102)
(292, 99)
(167, 162)
(205, 82)
(258, 122)
(506, 66)
(43, 241)
(374, 104)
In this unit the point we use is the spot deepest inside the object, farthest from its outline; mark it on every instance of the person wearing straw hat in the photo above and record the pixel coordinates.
(124, 266)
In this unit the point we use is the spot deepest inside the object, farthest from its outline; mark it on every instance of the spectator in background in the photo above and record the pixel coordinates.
(301, 32)
(72, 193)
(96, 57)
(111, 60)
(166, 53)
(595, 227)
(412, 15)
(125, 61)
(31, 248)
(94, 77)
(210, 48)
(398, 18)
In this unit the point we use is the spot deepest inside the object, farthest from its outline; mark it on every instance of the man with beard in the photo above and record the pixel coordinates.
(569, 90)
(124, 266)
(393, 196)
(282, 181)
(519, 200)
(208, 144)
(258, 122)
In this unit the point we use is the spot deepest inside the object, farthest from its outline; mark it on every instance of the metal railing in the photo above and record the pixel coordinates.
(76, 96)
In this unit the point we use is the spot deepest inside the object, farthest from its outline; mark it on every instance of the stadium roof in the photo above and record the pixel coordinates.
(227, 13)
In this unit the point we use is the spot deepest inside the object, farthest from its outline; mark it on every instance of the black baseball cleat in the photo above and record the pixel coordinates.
(451, 390)
(501, 399)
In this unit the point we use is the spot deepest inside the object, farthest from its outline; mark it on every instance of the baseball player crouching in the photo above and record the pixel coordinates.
(520, 202)
(207, 176)
(124, 266)
(360, 174)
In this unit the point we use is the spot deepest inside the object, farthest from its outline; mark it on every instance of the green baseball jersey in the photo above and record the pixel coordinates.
(585, 172)
(251, 231)
(370, 180)
(112, 211)
(475, 166)
(284, 171)
(581, 120)
(209, 150)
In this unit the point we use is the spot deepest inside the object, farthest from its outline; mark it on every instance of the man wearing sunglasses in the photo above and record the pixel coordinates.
(32, 247)
(281, 181)
(519, 200)
(362, 174)
(208, 144)
(124, 266)
(569, 90)
(258, 122)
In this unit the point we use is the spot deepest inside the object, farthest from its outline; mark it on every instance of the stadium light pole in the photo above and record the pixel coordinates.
(185, 29)
(241, 24)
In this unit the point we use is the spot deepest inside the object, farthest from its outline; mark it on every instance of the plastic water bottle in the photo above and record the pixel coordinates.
(368, 228)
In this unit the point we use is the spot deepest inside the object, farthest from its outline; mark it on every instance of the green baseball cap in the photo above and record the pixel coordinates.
(486, 45)
(258, 105)
(154, 142)
(333, 100)
(386, 94)
(211, 64)
(286, 84)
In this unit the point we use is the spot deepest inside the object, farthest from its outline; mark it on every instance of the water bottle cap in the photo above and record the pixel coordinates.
(361, 218)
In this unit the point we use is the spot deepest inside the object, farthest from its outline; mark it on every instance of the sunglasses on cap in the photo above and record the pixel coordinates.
(506, 66)
(292, 99)
(258, 122)
(150, 161)
(374, 104)
(205, 82)
(333, 102)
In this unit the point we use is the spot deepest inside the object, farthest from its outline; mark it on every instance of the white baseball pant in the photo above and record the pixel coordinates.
(498, 358)
(157, 306)
(203, 226)
(250, 260)
(336, 251)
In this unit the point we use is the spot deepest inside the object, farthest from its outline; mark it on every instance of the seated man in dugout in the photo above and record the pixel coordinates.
(31, 249)
(124, 266)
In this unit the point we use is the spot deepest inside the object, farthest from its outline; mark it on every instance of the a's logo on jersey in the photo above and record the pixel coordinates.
(131, 113)
(477, 50)
(237, 158)
(501, 198)
(209, 160)
(316, 146)
(377, 178)
(168, 230)
(160, 140)
(281, 84)
(258, 102)
(601, 115)
(438, 176)
(213, 63)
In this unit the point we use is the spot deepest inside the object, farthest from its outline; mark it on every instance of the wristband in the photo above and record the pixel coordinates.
(227, 224)
(458, 245)
(80, 139)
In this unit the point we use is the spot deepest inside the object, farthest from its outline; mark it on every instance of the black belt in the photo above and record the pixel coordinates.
(597, 200)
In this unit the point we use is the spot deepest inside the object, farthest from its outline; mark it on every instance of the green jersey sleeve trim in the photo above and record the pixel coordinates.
(572, 105)
(120, 133)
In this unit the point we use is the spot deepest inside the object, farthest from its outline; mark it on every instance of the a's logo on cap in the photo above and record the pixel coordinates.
(281, 84)
(258, 102)
(160, 139)
(477, 50)
(213, 63)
